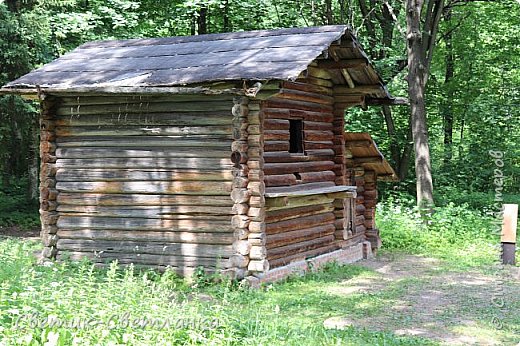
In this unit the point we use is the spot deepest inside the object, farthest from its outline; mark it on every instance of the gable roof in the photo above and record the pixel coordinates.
(178, 61)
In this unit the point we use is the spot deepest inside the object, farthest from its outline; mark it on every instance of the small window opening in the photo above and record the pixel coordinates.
(295, 136)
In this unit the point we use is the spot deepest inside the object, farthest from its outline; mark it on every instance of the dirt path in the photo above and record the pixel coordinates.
(427, 298)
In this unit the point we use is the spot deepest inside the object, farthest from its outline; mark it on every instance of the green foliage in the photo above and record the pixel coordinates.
(16, 210)
(454, 232)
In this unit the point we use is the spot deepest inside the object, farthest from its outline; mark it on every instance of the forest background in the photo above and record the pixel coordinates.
(472, 94)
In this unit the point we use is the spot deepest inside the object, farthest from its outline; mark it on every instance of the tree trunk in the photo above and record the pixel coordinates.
(416, 87)
(448, 103)
(226, 16)
(202, 27)
(329, 20)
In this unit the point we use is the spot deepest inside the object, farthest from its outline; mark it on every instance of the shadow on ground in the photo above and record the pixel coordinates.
(425, 298)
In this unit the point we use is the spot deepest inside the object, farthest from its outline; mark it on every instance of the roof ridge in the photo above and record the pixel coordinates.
(214, 36)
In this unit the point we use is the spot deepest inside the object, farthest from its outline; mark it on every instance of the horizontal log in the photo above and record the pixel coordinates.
(368, 159)
(318, 126)
(143, 130)
(209, 188)
(308, 145)
(184, 265)
(306, 189)
(284, 168)
(153, 212)
(106, 223)
(323, 116)
(303, 255)
(307, 96)
(298, 236)
(362, 143)
(280, 180)
(298, 105)
(137, 152)
(312, 177)
(101, 199)
(347, 101)
(309, 156)
(270, 146)
(209, 118)
(145, 236)
(300, 223)
(276, 135)
(161, 163)
(297, 201)
(172, 176)
(143, 108)
(146, 247)
(288, 250)
(293, 213)
(313, 135)
(307, 86)
(146, 141)
(342, 64)
(276, 124)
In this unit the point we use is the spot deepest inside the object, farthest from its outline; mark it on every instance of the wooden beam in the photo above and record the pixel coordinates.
(360, 89)
(509, 223)
(344, 72)
(368, 159)
(340, 64)
(397, 101)
(358, 143)
(102, 90)
(311, 191)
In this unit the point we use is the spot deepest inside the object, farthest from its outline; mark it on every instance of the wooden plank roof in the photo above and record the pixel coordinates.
(365, 153)
(179, 61)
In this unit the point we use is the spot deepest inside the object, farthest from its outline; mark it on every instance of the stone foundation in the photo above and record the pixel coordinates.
(343, 256)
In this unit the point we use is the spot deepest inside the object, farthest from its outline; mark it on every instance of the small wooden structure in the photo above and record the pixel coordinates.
(225, 151)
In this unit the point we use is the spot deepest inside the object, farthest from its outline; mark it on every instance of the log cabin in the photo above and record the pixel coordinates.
(222, 151)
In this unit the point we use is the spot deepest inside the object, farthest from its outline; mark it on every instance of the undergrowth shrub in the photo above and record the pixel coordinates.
(16, 209)
(454, 232)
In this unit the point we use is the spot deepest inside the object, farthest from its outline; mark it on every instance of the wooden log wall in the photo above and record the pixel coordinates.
(305, 226)
(48, 192)
(370, 199)
(143, 179)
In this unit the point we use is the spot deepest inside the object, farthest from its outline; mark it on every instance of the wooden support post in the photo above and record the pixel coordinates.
(508, 237)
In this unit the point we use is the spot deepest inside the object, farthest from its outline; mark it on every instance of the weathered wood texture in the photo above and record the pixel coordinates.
(48, 192)
(313, 104)
(299, 227)
(144, 179)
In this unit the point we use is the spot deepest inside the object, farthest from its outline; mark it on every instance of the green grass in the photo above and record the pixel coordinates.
(117, 301)
(289, 313)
